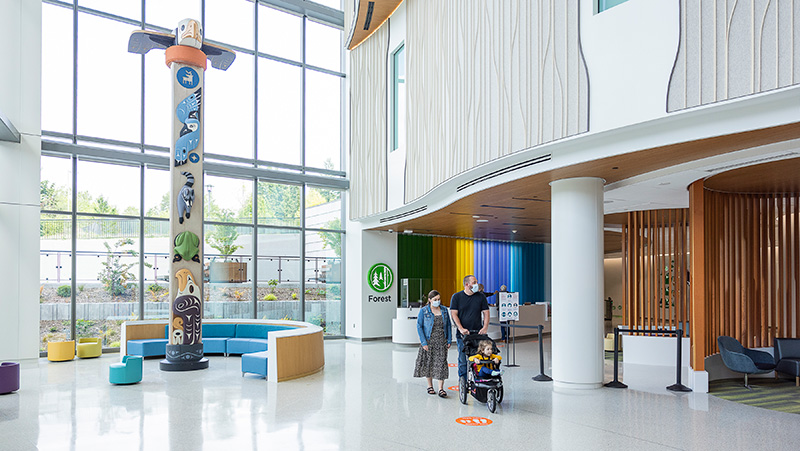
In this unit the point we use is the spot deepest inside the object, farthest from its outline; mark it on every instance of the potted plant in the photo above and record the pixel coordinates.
(223, 239)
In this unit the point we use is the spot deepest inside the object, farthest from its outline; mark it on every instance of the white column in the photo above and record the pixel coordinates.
(577, 261)
(20, 103)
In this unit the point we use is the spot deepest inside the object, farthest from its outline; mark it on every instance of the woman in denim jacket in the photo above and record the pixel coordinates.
(434, 330)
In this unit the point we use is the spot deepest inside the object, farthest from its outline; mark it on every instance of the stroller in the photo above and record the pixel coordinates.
(483, 389)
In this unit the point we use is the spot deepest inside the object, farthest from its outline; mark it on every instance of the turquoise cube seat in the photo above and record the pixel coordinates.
(129, 371)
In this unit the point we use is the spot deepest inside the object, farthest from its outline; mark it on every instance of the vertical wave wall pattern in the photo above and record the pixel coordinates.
(730, 49)
(487, 79)
(368, 97)
(522, 267)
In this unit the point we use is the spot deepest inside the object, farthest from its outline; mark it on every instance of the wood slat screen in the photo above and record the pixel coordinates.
(752, 267)
(655, 270)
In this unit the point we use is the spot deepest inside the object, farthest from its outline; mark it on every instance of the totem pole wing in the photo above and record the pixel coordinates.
(220, 57)
(142, 41)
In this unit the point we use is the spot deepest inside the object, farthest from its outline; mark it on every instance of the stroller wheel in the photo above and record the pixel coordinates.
(462, 389)
(500, 395)
(491, 400)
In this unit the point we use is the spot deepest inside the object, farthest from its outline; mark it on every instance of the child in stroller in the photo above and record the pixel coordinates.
(486, 361)
(483, 381)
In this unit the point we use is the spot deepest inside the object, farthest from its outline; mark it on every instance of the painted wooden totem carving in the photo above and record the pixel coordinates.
(186, 56)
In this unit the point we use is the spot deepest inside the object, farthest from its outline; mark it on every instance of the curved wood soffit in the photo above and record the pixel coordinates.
(370, 15)
(778, 177)
(524, 204)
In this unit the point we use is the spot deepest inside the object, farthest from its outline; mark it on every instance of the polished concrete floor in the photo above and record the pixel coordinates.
(366, 399)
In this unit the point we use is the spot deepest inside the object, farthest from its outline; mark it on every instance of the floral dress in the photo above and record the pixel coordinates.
(433, 362)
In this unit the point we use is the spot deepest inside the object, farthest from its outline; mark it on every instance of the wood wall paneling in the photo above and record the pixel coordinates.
(654, 259)
(752, 269)
(299, 356)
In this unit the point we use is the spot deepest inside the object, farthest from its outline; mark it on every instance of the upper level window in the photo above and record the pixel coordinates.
(603, 5)
(398, 97)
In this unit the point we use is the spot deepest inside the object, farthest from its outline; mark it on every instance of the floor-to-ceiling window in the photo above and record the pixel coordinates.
(273, 162)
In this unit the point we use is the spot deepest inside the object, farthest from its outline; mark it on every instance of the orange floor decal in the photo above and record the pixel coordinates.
(474, 421)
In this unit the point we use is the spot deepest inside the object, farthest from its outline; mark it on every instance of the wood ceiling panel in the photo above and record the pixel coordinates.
(529, 197)
(371, 15)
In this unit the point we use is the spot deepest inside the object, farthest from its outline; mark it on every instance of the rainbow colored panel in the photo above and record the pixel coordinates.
(522, 267)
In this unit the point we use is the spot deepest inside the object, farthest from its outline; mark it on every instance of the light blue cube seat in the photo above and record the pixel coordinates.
(255, 362)
(129, 371)
(147, 347)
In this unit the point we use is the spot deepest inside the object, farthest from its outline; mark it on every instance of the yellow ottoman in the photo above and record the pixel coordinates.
(59, 351)
(89, 347)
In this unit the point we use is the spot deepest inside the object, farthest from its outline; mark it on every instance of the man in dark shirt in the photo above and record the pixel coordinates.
(469, 311)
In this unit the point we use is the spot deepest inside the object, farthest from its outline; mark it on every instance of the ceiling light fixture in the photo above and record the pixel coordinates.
(482, 220)
(475, 216)
(513, 231)
(408, 231)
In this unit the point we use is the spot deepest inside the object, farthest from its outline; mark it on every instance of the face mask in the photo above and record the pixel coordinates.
(475, 288)
(435, 303)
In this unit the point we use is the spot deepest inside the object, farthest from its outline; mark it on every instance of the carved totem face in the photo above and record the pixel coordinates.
(189, 33)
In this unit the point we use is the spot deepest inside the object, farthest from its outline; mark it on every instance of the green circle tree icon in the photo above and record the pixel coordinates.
(380, 277)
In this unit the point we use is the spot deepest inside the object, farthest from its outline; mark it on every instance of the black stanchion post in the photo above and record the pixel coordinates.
(678, 386)
(616, 383)
(541, 377)
(513, 348)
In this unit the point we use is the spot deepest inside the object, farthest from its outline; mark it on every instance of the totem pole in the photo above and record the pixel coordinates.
(186, 55)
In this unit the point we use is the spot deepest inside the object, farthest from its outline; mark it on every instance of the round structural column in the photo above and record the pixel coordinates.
(577, 284)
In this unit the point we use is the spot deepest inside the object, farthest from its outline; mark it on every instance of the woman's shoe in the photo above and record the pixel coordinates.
(431, 391)
(442, 394)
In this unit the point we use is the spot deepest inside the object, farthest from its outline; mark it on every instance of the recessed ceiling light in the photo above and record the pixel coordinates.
(408, 231)
(513, 231)
(475, 216)
(482, 220)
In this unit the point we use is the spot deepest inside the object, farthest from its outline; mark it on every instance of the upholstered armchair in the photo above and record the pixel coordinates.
(787, 357)
(59, 351)
(9, 377)
(89, 347)
(608, 342)
(129, 371)
(742, 360)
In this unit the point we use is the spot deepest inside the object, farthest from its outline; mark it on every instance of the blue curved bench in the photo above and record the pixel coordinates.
(262, 344)
(217, 339)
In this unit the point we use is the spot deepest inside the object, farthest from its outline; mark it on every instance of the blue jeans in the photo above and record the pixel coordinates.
(462, 359)
(485, 372)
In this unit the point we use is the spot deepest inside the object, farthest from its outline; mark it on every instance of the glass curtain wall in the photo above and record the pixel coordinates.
(273, 151)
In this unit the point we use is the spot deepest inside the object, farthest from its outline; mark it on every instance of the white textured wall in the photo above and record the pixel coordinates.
(486, 79)
(629, 51)
(368, 92)
(731, 48)
(364, 249)
(20, 101)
